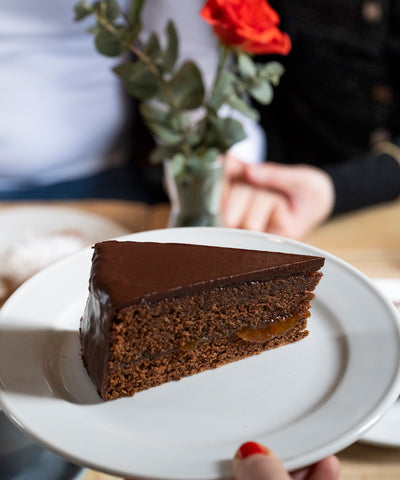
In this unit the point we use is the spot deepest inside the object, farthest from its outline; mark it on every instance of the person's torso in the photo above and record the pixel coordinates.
(61, 106)
(342, 80)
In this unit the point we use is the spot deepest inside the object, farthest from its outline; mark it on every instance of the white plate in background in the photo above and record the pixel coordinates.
(19, 223)
(387, 431)
(33, 237)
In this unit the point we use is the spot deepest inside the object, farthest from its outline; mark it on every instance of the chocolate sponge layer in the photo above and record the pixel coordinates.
(150, 343)
(129, 379)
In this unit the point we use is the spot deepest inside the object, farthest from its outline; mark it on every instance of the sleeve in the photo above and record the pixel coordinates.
(365, 180)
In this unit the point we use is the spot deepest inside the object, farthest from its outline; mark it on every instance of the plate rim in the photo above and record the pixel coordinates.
(306, 459)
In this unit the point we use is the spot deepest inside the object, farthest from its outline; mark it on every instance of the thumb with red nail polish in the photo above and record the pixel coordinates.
(254, 461)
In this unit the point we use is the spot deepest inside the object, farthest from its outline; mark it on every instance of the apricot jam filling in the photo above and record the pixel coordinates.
(188, 347)
(272, 330)
(275, 328)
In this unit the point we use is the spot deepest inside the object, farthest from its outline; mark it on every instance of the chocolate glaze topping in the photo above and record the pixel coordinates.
(128, 272)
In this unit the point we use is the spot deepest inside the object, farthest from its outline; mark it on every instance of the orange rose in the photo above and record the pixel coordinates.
(250, 25)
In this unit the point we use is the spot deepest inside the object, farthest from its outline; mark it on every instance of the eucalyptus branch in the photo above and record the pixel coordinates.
(101, 20)
(169, 90)
(148, 61)
(151, 65)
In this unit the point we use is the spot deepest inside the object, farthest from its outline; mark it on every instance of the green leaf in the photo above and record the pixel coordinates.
(135, 10)
(112, 10)
(95, 29)
(133, 16)
(187, 87)
(193, 138)
(247, 67)
(107, 43)
(272, 71)
(152, 48)
(171, 51)
(224, 87)
(138, 79)
(178, 165)
(210, 155)
(152, 113)
(161, 153)
(108, 10)
(224, 132)
(194, 135)
(82, 10)
(179, 121)
(196, 165)
(99, 8)
(262, 91)
(164, 134)
(232, 131)
(243, 107)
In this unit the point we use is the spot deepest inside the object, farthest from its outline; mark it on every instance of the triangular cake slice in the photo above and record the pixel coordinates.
(161, 311)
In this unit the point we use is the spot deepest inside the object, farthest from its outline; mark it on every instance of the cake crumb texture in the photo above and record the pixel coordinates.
(151, 344)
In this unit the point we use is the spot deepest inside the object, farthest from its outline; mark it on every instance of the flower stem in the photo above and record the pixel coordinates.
(223, 58)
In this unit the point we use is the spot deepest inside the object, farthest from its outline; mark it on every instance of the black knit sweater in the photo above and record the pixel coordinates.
(339, 95)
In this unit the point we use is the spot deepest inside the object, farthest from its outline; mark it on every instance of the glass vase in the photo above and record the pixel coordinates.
(195, 194)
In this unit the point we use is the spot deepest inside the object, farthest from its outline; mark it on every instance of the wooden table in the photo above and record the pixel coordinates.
(368, 239)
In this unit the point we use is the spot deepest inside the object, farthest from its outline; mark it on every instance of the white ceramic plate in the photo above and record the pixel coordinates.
(304, 400)
(387, 431)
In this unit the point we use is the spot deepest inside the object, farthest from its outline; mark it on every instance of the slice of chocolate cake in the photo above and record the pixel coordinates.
(161, 311)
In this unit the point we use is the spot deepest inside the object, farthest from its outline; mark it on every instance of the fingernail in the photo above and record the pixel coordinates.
(251, 448)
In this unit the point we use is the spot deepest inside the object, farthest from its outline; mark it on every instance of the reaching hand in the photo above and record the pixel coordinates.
(288, 200)
(256, 462)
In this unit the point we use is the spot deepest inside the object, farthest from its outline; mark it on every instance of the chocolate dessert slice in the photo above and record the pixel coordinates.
(161, 311)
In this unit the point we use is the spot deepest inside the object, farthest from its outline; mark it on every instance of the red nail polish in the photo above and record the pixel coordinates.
(251, 448)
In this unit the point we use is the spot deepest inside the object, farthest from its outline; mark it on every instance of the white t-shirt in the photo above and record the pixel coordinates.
(61, 106)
